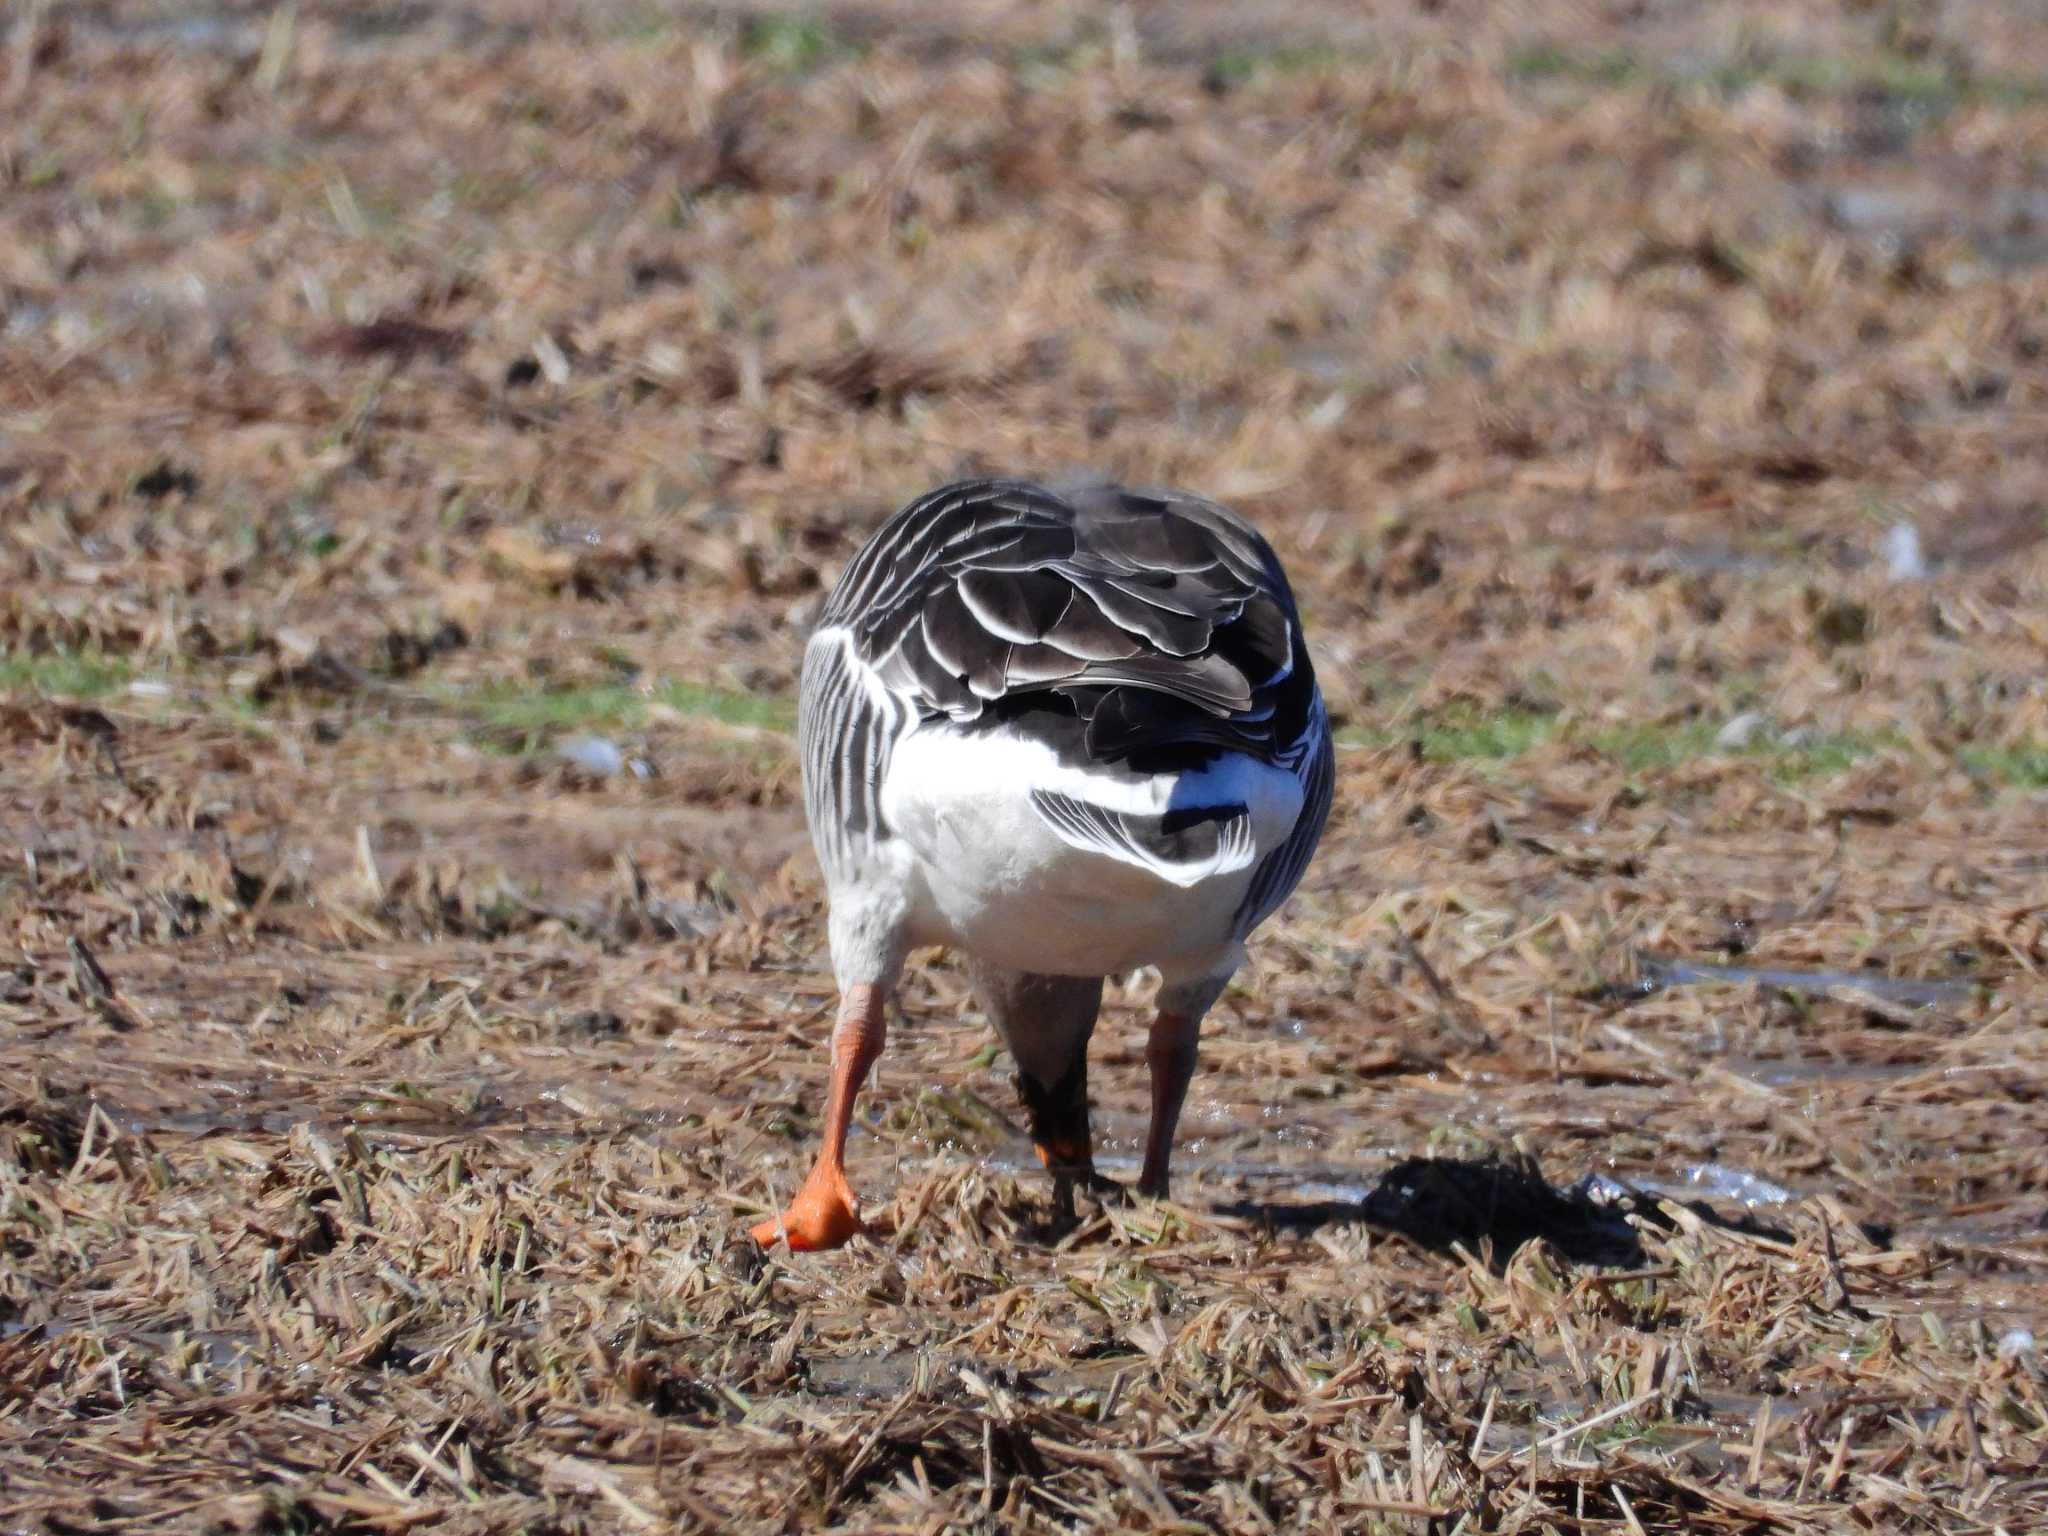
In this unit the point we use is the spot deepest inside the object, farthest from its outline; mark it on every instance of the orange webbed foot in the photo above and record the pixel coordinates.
(823, 1215)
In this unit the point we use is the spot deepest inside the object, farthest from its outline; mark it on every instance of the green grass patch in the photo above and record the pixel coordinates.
(535, 715)
(1931, 83)
(64, 674)
(1821, 756)
(540, 712)
(792, 44)
(1546, 61)
(2023, 767)
(1787, 755)
(764, 711)
(1652, 748)
(1616, 1432)
(1238, 66)
(1458, 736)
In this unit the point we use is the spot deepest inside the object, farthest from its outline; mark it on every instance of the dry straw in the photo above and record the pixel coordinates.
(423, 437)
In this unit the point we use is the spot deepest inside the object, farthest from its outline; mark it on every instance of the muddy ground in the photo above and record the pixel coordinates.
(425, 434)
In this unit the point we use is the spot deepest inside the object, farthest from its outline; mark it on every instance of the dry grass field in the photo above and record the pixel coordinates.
(425, 433)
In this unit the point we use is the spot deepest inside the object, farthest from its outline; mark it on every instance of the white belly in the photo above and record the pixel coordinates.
(990, 875)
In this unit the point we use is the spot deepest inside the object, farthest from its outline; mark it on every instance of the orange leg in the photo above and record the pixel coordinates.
(1170, 1053)
(824, 1213)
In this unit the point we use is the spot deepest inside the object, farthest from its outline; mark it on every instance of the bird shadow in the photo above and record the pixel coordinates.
(1491, 1208)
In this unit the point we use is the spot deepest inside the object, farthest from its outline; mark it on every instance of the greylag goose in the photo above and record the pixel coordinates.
(1068, 731)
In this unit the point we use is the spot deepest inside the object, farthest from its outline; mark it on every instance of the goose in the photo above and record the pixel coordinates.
(1067, 730)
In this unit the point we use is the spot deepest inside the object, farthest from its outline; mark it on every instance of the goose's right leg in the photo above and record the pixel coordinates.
(1170, 1054)
(1046, 1022)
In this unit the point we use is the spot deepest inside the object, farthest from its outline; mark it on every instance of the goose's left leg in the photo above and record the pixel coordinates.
(1170, 1054)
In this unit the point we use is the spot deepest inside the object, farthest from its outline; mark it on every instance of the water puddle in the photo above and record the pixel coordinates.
(218, 1349)
(1794, 1073)
(885, 1376)
(1715, 1181)
(2002, 222)
(1657, 973)
(1309, 1183)
(215, 1122)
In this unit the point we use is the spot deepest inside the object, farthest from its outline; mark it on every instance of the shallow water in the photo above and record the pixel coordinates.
(1791, 1072)
(889, 1375)
(1659, 972)
(1714, 1181)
